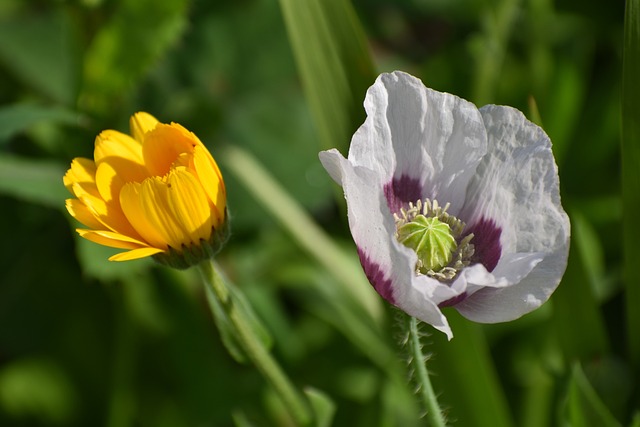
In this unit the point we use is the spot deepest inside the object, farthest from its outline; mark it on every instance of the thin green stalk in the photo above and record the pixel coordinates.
(254, 349)
(630, 158)
(418, 360)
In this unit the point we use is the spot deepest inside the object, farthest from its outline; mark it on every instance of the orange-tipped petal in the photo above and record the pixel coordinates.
(163, 146)
(141, 123)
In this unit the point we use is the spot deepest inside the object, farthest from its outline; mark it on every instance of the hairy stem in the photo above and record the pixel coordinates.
(425, 390)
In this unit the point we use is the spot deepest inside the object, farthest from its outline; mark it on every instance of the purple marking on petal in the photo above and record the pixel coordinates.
(400, 191)
(376, 277)
(453, 301)
(486, 242)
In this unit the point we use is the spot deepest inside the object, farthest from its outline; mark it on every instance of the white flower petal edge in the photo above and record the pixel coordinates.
(421, 143)
(517, 186)
(388, 265)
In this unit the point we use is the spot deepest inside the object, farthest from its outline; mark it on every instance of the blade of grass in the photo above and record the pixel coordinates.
(585, 408)
(334, 64)
(630, 159)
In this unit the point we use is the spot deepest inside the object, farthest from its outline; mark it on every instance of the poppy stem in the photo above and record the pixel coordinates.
(252, 346)
(425, 390)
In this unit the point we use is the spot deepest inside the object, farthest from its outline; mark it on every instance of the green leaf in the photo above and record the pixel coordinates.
(37, 181)
(334, 64)
(137, 35)
(39, 50)
(585, 408)
(323, 407)
(630, 158)
(17, 118)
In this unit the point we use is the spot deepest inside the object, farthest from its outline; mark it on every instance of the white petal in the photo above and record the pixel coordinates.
(516, 186)
(421, 143)
(388, 265)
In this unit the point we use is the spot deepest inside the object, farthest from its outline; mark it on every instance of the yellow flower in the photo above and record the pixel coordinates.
(157, 193)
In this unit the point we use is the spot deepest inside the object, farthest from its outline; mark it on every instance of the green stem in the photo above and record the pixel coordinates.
(254, 349)
(630, 159)
(434, 413)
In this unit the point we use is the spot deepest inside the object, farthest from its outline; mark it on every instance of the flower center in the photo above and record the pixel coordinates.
(436, 237)
(431, 239)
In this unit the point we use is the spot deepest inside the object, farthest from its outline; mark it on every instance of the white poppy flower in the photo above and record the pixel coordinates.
(472, 194)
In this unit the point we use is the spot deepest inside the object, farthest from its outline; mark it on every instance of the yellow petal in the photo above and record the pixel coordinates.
(211, 180)
(135, 254)
(189, 205)
(111, 239)
(155, 204)
(111, 143)
(82, 171)
(146, 207)
(108, 182)
(118, 160)
(109, 214)
(186, 133)
(163, 146)
(81, 213)
(113, 173)
(131, 203)
(141, 123)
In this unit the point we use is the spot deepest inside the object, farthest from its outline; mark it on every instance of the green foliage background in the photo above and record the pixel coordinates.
(266, 85)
